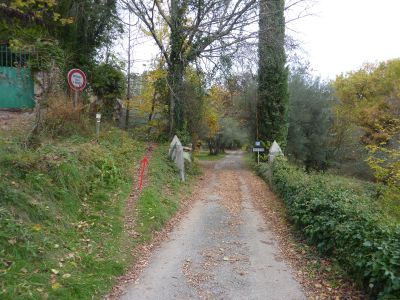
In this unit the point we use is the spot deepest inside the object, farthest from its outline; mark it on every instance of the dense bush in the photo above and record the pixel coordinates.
(343, 223)
(108, 83)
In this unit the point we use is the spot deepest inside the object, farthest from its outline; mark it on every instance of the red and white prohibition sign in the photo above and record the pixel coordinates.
(77, 80)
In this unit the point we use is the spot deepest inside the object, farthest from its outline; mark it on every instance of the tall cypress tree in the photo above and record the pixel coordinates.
(273, 94)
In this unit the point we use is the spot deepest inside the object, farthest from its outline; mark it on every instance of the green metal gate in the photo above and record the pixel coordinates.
(16, 84)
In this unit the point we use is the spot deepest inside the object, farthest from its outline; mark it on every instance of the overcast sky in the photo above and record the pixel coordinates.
(339, 37)
(343, 34)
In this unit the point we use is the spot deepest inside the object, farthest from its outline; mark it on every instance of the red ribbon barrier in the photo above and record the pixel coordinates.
(144, 164)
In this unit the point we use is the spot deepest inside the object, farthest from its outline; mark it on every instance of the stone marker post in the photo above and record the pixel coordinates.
(176, 154)
(274, 151)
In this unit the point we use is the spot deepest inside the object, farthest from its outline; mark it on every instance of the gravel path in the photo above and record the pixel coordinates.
(222, 249)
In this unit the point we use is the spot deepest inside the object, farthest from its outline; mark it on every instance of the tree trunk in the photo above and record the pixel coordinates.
(129, 94)
(176, 67)
(127, 115)
(175, 81)
(210, 148)
(153, 106)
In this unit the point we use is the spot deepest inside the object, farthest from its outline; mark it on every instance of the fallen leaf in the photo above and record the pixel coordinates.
(24, 270)
(55, 286)
(66, 275)
(7, 263)
(12, 241)
(53, 278)
(55, 271)
(37, 227)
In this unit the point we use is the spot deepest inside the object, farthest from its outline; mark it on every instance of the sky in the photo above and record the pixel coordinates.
(341, 35)
(338, 37)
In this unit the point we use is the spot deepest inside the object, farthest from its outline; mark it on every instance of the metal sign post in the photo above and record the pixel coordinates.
(77, 83)
(76, 98)
(98, 120)
(258, 148)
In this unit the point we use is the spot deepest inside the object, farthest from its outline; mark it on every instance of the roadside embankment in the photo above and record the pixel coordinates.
(344, 222)
(62, 212)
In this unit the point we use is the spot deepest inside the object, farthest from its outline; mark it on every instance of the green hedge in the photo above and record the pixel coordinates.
(343, 223)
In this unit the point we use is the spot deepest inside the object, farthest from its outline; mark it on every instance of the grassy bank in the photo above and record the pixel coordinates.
(342, 219)
(62, 208)
(160, 199)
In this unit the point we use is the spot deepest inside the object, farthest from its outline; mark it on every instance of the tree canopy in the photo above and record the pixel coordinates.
(195, 30)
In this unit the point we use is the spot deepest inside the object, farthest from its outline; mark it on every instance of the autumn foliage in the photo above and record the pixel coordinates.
(370, 99)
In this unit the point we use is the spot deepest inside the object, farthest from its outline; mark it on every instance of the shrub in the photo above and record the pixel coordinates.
(62, 119)
(343, 224)
(108, 83)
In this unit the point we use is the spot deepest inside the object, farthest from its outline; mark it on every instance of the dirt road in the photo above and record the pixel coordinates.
(222, 249)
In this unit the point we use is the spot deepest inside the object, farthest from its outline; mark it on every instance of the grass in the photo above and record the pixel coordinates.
(62, 208)
(159, 200)
(204, 155)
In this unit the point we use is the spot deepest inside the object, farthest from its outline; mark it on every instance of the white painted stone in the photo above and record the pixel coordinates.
(274, 151)
(177, 155)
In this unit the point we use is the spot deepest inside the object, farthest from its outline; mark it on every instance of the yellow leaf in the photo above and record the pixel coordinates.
(37, 227)
(56, 16)
(55, 286)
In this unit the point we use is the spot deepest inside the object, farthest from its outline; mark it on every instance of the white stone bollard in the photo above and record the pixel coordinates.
(177, 155)
(274, 151)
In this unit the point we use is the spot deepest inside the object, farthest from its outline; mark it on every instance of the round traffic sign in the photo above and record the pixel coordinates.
(77, 80)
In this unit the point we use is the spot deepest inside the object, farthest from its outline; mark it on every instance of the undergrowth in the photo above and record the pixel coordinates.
(343, 219)
(62, 210)
(159, 200)
(205, 155)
